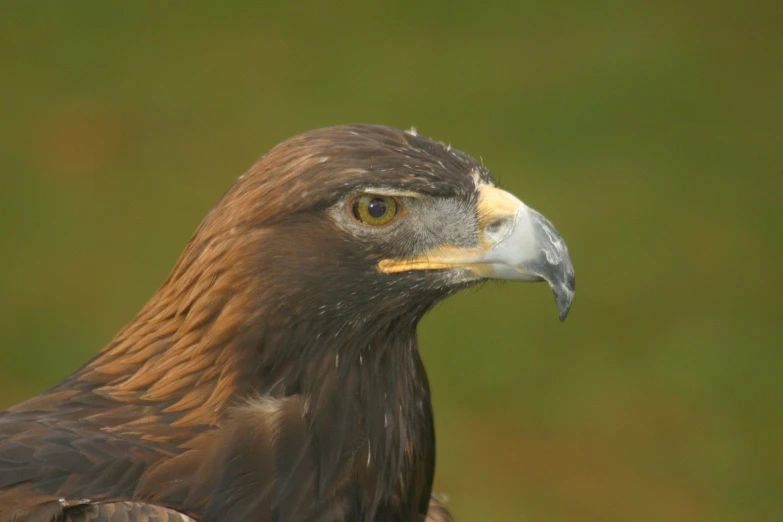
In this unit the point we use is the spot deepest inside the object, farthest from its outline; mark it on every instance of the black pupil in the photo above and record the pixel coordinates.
(376, 208)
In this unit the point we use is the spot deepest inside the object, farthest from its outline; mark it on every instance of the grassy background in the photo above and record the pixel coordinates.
(650, 135)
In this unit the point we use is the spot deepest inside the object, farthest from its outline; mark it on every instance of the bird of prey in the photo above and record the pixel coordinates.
(275, 375)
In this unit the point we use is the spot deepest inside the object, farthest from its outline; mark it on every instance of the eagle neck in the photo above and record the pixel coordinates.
(369, 408)
(385, 379)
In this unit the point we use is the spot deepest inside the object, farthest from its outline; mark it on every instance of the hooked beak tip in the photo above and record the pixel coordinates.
(564, 296)
(563, 284)
(553, 262)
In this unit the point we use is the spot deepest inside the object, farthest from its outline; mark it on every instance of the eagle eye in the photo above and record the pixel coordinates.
(376, 210)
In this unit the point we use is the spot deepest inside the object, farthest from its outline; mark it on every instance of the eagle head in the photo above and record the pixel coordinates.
(362, 223)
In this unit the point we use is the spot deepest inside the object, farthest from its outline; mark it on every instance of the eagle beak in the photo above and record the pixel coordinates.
(515, 243)
(522, 245)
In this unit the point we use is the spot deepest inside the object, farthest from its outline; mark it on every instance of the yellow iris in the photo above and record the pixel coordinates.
(375, 209)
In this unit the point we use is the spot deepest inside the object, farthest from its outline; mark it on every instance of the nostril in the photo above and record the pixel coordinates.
(497, 225)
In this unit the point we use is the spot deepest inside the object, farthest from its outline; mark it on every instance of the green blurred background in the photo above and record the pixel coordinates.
(651, 135)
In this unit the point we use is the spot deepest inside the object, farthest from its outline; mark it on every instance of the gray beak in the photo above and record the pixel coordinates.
(533, 250)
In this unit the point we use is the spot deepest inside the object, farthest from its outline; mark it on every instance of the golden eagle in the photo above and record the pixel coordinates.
(275, 375)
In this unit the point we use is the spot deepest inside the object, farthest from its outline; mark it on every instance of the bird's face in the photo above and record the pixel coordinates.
(448, 243)
(363, 221)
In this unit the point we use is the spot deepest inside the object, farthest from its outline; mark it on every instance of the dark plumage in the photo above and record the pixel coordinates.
(275, 375)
